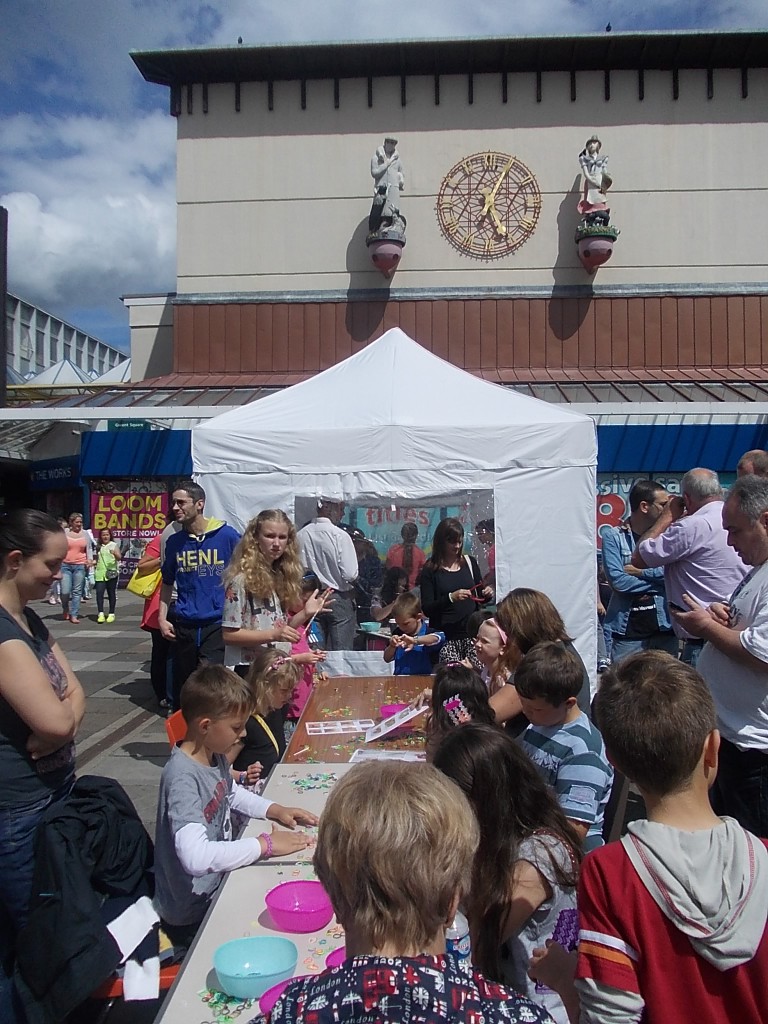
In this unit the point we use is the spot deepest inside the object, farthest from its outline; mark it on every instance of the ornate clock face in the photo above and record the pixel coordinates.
(488, 205)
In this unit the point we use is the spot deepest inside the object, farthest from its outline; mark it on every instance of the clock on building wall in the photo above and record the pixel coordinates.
(488, 205)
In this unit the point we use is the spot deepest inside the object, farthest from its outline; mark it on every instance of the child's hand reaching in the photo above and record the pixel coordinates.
(318, 601)
(291, 816)
(308, 657)
(423, 698)
(283, 843)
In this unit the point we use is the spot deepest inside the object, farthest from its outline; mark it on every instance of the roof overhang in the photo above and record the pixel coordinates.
(336, 60)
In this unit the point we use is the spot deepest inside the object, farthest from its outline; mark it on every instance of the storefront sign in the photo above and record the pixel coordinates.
(55, 474)
(133, 515)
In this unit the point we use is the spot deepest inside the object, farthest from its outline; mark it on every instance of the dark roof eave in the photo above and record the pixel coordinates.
(611, 51)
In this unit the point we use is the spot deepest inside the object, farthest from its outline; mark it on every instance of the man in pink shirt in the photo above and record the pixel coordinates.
(688, 539)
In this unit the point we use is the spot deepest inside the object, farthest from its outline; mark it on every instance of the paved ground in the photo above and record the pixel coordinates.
(123, 732)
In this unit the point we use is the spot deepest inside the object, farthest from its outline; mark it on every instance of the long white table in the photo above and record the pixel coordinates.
(239, 909)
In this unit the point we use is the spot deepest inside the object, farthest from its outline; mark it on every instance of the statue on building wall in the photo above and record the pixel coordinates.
(595, 234)
(386, 224)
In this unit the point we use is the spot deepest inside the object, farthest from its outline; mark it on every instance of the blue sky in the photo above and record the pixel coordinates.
(88, 148)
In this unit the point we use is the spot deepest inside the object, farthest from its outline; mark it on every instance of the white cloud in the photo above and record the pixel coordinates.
(88, 147)
(91, 207)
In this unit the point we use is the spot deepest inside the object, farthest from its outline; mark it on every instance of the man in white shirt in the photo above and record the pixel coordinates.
(328, 552)
(734, 662)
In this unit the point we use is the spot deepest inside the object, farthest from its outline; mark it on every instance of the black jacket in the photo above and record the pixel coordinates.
(89, 851)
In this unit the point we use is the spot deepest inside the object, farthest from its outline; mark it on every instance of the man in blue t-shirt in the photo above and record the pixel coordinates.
(195, 559)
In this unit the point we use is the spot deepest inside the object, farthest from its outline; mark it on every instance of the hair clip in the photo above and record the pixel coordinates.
(278, 662)
(456, 710)
(453, 664)
(501, 632)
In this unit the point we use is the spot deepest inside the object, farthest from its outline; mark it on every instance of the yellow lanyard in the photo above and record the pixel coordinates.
(269, 732)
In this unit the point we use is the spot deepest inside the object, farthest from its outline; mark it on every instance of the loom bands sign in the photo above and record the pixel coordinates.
(128, 514)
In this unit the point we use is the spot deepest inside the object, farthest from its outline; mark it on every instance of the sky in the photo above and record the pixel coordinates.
(87, 147)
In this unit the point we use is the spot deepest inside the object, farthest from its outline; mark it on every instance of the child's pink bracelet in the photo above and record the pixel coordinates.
(268, 843)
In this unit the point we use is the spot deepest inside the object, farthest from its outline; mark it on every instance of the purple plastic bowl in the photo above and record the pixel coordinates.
(387, 710)
(270, 997)
(336, 957)
(299, 906)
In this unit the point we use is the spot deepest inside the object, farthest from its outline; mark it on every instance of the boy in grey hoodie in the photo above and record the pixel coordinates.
(672, 919)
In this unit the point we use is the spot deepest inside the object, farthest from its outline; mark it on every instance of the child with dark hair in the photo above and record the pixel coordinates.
(687, 937)
(561, 741)
(458, 695)
(394, 583)
(525, 872)
(412, 648)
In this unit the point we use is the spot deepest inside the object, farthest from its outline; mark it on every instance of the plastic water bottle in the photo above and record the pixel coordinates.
(457, 937)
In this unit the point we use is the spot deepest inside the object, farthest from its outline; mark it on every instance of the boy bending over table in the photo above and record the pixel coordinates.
(394, 852)
(193, 842)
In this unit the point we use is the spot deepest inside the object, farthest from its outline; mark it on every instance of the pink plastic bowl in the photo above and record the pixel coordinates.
(387, 710)
(337, 957)
(300, 906)
(270, 997)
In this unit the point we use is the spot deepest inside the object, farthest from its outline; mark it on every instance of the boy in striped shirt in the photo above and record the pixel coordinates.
(561, 741)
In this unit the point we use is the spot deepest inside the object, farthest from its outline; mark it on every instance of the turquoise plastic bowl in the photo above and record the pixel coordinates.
(246, 968)
(370, 627)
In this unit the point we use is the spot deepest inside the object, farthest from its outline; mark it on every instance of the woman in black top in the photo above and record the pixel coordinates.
(451, 582)
(41, 707)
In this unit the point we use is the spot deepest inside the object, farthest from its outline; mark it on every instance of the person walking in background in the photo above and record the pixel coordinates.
(78, 560)
(407, 556)
(753, 463)
(106, 573)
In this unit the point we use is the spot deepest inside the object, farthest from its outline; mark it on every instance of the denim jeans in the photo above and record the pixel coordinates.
(621, 649)
(339, 622)
(741, 787)
(691, 651)
(18, 826)
(72, 581)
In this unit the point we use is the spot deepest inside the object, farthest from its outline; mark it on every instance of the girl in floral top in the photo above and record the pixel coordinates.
(263, 581)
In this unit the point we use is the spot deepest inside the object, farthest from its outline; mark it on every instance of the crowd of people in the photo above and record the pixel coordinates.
(510, 816)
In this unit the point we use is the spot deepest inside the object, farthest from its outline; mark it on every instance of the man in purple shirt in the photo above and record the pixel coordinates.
(688, 539)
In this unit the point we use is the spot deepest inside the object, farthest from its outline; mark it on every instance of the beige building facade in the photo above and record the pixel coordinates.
(274, 192)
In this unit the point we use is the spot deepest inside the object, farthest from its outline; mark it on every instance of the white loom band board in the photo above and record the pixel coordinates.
(388, 725)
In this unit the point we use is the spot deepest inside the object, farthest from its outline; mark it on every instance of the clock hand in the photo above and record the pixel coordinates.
(500, 229)
(490, 208)
(492, 194)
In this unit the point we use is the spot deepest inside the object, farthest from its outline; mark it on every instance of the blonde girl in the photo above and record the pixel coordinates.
(272, 677)
(489, 649)
(263, 581)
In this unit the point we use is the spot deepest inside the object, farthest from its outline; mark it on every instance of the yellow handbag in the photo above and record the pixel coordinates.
(144, 584)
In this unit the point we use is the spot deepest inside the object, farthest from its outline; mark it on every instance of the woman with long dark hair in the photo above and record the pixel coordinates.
(526, 868)
(451, 582)
(41, 707)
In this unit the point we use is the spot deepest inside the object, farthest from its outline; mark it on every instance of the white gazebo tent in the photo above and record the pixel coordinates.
(395, 424)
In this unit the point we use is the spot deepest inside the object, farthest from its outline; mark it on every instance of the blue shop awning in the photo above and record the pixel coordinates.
(141, 453)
